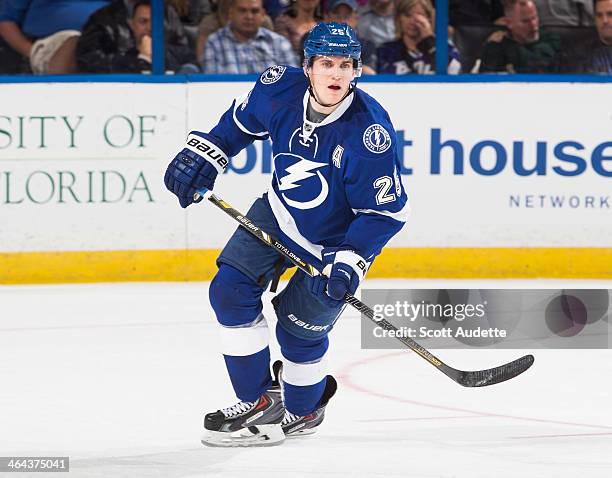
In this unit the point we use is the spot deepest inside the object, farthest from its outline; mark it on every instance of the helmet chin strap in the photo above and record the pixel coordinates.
(313, 95)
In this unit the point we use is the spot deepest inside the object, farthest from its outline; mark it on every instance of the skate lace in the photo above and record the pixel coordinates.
(289, 418)
(237, 409)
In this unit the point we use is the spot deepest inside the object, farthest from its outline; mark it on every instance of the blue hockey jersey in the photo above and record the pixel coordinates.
(335, 183)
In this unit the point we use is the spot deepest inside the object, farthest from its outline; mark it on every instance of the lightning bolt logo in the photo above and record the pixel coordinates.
(299, 171)
(376, 140)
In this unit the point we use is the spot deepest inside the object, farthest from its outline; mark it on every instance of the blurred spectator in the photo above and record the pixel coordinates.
(474, 12)
(415, 49)
(191, 12)
(600, 60)
(211, 23)
(603, 21)
(275, 7)
(345, 11)
(243, 45)
(141, 57)
(214, 21)
(40, 35)
(522, 48)
(298, 19)
(117, 39)
(377, 22)
(594, 56)
(565, 12)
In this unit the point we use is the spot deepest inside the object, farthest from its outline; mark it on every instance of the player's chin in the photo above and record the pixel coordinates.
(331, 99)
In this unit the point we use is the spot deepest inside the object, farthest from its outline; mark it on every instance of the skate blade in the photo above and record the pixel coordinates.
(266, 435)
(301, 433)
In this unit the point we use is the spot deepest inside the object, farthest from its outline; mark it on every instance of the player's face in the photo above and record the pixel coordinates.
(525, 23)
(331, 77)
(603, 20)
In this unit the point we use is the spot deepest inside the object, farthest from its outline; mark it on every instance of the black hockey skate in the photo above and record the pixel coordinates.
(295, 425)
(247, 423)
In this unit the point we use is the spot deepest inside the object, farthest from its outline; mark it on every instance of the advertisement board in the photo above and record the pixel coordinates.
(488, 167)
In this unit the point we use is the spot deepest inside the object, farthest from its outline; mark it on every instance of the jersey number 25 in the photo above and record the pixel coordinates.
(384, 194)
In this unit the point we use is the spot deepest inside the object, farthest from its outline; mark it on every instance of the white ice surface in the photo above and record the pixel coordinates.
(118, 377)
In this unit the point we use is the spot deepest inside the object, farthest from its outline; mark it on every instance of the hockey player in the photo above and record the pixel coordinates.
(336, 197)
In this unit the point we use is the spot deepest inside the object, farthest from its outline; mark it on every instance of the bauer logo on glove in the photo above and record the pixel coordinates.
(195, 167)
(208, 149)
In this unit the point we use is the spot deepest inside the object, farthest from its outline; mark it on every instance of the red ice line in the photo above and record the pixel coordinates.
(345, 376)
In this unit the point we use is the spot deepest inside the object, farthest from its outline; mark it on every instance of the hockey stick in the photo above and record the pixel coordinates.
(477, 378)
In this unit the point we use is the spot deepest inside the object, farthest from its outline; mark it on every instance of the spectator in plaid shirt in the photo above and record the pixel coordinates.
(243, 45)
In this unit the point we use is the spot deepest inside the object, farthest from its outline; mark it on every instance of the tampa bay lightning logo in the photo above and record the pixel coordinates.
(272, 74)
(298, 175)
(376, 139)
(307, 193)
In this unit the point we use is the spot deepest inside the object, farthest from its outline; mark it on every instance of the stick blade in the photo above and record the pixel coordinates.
(482, 378)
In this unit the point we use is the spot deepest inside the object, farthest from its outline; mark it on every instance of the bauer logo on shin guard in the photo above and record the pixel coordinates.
(304, 325)
(208, 149)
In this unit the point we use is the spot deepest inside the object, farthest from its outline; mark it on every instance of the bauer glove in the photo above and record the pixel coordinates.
(195, 167)
(343, 270)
